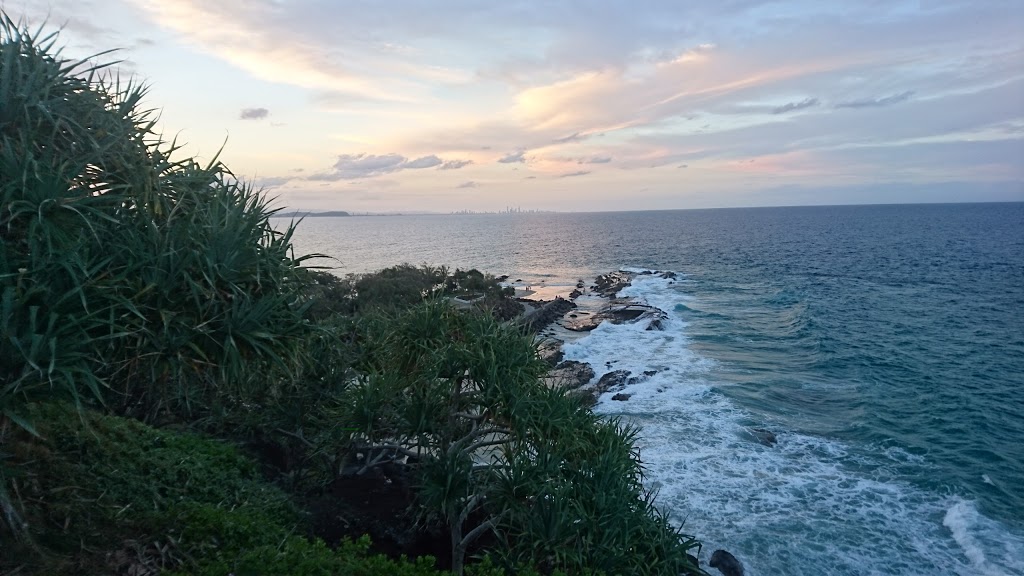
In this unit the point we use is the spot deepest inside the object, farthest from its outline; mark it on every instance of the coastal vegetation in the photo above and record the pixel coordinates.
(180, 393)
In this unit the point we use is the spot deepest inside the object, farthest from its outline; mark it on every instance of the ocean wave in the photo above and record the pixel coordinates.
(809, 504)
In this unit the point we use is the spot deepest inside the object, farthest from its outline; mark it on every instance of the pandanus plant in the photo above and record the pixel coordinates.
(128, 276)
(152, 285)
(457, 399)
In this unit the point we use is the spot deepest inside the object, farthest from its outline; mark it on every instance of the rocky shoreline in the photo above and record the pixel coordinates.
(556, 319)
(565, 314)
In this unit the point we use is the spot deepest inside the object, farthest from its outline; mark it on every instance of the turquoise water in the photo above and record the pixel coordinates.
(883, 345)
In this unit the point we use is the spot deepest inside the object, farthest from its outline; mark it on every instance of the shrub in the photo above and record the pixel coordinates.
(106, 484)
(457, 398)
(151, 284)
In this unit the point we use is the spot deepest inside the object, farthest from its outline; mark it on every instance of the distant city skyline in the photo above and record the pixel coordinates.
(578, 106)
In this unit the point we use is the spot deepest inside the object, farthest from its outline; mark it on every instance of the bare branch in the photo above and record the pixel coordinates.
(468, 508)
(298, 436)
(485, 443)
(467, 416)
(475, 533)
(404, 450)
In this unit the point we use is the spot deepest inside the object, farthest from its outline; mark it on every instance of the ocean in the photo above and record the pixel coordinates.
(882, 345)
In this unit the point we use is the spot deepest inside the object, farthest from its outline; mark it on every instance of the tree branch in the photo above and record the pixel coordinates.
(475, 533)
(468, 416)
(298, 436)
(485, 443)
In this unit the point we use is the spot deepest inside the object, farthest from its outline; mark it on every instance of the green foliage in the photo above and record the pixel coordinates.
(158, 288)
(402, 286)
(127, 277)
(497, 452)
(93, 482)
(297, 556)
(399, 286)
(105, 494)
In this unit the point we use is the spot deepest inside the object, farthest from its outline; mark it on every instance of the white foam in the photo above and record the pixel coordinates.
(809, 505)
(979, 537)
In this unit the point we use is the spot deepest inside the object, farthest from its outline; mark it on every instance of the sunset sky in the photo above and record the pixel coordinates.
(441, 105)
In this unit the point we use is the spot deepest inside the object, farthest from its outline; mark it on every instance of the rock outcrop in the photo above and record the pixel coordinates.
(571, 374)
(616, 313)
(614, 380)
(608, 285)
(766, 437)
(726, 563)
(548, 313)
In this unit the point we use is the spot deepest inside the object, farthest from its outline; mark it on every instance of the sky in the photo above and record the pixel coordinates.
(444, 105)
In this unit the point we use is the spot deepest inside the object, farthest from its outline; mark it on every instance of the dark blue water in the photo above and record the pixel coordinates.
(884, 345)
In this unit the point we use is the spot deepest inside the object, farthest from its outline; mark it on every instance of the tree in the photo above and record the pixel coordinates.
(456, 397)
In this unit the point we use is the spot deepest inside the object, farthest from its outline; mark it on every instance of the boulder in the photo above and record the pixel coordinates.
(551, 352)
(576, 293)
(655, 325)
(766, 437)
(668, 275)
(622, 397)
(571, 374)
(608, 285)
(616, 379)
(726, 563)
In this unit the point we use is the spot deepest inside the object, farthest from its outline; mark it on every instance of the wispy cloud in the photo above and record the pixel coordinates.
(794, 106)
(877, 102)
(254, 113)
(611, 89)
(514, 157)
(454, 164)
(424, 162)
(356, 166)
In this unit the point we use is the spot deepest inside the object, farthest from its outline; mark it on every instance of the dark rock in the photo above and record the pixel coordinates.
(613, 380)
(575, 293)
(551, 352)
(519, 279)
(549, 312)
(646, 273)
(608, 285)
(507, 309)
(573, 316)
(632, 380)
(655, 325)
(580, 284)
(694, 568)
(650, 373)
(587, 395)
(616, 314)
(571, 374)
(503, 277)
(766, 437)
(621, 397)
(726, 563)
(668, 275)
